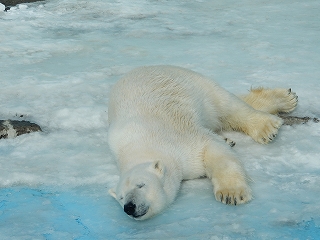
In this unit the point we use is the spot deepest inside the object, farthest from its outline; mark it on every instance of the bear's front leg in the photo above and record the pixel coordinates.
(226, 173)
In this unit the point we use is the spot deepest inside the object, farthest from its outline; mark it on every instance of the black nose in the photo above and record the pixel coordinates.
(130, 208)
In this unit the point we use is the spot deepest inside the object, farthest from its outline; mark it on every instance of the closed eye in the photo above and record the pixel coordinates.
(140, 185)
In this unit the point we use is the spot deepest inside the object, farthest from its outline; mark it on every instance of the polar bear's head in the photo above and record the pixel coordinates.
(140, 190)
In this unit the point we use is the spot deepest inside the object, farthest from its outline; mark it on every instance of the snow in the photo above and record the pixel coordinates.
(59, 59)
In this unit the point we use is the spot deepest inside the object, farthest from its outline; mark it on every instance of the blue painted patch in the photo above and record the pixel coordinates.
(308, 230)
(45, 214)
(86, 213)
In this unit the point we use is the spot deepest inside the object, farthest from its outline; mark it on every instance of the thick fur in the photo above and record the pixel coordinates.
(163, 129)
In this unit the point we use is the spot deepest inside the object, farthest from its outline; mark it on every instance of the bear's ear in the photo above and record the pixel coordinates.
(113, 193)
(158, 168)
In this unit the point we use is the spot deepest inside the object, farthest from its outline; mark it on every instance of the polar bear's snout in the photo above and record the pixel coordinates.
(135, 211)
(130, 208)
(134, 204)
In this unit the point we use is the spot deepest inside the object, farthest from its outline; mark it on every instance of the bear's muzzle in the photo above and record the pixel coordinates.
(132, 210)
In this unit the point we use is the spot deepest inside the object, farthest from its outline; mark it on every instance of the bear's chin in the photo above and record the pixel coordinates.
(142, 216)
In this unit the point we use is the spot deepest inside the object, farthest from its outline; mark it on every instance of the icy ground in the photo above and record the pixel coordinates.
(58, 60)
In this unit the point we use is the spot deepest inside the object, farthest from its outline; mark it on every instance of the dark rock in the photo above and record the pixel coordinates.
(13, 128)
(291, 120)
(15, 2)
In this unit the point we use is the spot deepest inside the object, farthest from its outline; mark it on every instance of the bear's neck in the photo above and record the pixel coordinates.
(173, 179)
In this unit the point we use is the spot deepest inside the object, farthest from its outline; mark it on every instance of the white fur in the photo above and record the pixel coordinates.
(163, 124)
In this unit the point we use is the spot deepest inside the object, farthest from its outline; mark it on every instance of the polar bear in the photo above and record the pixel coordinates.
(164, 127)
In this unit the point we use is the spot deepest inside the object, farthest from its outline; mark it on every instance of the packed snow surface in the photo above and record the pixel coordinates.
(58, 61)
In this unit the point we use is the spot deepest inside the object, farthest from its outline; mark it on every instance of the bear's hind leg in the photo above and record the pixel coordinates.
(271, 100)
(260, 126)
(236, 114)
(226, 173)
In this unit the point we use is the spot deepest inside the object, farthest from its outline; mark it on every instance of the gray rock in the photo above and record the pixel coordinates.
(13, 128)
(15, 2)
(291, 120)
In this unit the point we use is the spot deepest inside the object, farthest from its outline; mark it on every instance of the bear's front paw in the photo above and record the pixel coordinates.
(233, 196)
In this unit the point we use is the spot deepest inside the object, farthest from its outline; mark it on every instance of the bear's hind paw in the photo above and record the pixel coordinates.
(288, 101)
(264, 127)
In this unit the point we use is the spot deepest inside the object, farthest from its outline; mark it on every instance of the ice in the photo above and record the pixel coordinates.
(59, 59)
(22, 6)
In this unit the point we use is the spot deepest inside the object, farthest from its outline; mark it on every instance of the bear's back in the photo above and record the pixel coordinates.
(161, 92)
